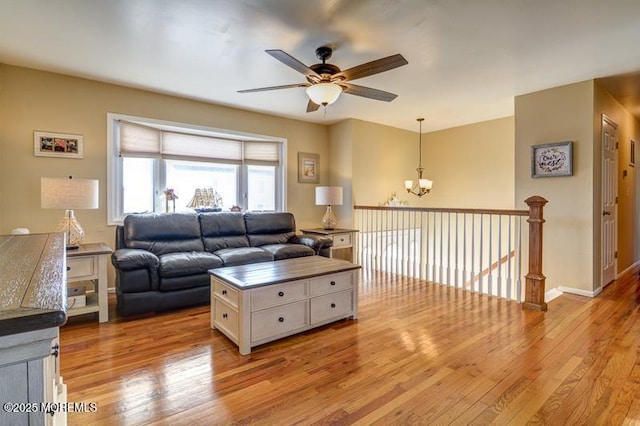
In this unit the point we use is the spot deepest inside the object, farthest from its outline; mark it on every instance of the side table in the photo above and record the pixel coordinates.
(344, 241)
(89, 263)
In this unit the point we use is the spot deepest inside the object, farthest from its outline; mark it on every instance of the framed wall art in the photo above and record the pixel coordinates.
(552, 159)
(308, 168)
(62, 145)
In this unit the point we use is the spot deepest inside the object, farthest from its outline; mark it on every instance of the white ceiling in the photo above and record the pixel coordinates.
(467, 58)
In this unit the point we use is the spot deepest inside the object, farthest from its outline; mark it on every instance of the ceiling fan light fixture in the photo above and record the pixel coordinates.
(324, 93)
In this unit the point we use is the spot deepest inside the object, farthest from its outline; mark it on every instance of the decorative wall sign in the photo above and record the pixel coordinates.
(308, 168)
(552, 159)
(47, 144)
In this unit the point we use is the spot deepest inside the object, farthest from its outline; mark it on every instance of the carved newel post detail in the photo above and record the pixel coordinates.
(535, 281)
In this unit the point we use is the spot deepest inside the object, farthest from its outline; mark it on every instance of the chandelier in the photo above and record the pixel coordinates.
(422, 186)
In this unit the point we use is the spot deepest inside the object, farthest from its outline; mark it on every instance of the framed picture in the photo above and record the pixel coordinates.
(552, 159)
(632, 153)
(62, 145)
(308, 168)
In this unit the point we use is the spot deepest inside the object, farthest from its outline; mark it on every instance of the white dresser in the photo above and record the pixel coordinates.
(258, 303)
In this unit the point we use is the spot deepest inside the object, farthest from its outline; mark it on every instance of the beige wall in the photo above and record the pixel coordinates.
(628, 215)
(471, 166)
(34, 100)
(556, 115)
(380, 162)
(341, 168)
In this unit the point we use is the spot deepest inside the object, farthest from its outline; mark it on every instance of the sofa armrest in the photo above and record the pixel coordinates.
(317, 243)
(131, 259)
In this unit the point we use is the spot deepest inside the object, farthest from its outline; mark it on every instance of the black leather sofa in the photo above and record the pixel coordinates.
(161, 260)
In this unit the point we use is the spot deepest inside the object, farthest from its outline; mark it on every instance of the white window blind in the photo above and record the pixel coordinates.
(184, 146)
(139, 141)
(261, 153)
(142, 141)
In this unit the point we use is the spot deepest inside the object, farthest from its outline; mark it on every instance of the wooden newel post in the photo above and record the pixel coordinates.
(535, 281)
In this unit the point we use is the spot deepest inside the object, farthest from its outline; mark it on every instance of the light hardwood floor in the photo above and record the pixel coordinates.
(418, 354)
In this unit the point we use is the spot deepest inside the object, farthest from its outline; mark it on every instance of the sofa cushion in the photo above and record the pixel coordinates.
(172, 284)
(223, 230)
(244, 255)
(269, 228)
(162, 233)
(288, 251)
(191, 263)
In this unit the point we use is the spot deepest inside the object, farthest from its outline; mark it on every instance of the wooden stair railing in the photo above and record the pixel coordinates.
(418, 239)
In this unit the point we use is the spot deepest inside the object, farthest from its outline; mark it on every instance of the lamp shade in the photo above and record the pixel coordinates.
(68, 193)
(324, 93)
(328, 195)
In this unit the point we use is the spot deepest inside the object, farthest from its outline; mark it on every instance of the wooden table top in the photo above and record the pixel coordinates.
(89, 250)
(268, 273)
(32, 282)
(322, 231)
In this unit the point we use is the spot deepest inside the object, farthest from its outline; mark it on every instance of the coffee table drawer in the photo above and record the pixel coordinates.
(279, 320)
(330, 283)
(226, 293)
(227, 320)
(280, 294)
(330, 306)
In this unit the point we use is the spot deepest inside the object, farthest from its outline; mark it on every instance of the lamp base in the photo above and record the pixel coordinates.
(329, 220)
(71, 227)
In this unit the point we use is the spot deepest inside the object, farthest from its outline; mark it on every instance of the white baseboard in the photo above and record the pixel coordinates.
(580, 292)
(629, 269)
(552, 294)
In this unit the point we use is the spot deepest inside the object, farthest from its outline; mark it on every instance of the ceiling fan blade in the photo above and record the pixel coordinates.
(373, 67)
(292, 62)
(264, 89)
(312, 106)
(368, 92)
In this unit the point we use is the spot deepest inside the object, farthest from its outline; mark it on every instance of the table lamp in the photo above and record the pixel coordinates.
(68, 194)
(329, 196)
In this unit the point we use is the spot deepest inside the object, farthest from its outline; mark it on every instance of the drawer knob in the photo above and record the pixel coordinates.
(281, 294)
(224, 291)
(333, 305)
(281, 319)
(333, 283)
(225, 316)
(68, 268)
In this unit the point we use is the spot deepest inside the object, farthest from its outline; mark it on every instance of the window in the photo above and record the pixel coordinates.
(147, 157)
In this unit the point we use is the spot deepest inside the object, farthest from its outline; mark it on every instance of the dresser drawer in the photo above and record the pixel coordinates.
(225, 292)
(330, 306)
(341, 240)
(273, 295)
(330, 283)
(227, 320)
(279, 320)
(81, 267)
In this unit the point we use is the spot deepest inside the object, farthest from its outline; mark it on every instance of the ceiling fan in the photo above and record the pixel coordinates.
(325, 82)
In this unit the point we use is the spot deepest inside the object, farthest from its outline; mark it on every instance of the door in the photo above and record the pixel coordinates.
(609, 199)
